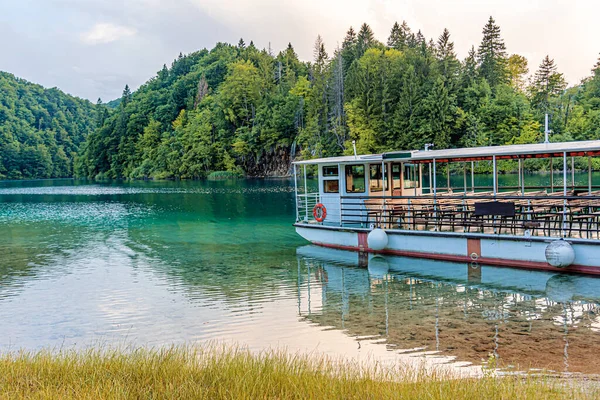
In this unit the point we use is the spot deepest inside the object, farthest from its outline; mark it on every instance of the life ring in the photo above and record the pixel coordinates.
(319, 212)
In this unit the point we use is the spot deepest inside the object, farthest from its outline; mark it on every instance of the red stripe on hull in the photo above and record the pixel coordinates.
(496, 262)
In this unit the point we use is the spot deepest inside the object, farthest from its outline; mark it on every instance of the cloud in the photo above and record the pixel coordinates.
(93, 48)
(105, 33)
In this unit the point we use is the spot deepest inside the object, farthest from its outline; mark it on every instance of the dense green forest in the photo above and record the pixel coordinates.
(237, 108)
(242, 109)
(40, 129)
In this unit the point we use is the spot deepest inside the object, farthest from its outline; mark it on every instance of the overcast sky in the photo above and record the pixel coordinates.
(92, 48)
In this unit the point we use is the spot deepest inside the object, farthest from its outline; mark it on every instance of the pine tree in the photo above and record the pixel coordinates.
(470, 67)
(407, 37)
(364, 40)
(241, 44)
(547, 82)
(395, 39)
(349, 49)
(419, 38)
(163, 74)
(445, 48)
(449, 65)
(320, 55)
(126, 96)
(100, 115)
(491, 55)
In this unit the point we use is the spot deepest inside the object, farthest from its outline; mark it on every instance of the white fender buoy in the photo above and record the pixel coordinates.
(377, 239)
(378, 267)
(560, 253)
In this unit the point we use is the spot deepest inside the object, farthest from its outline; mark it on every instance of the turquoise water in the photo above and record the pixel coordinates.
(156, 263)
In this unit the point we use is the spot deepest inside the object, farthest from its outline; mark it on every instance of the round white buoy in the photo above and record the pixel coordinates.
(560, 254)
(377, 239)
(378, 267)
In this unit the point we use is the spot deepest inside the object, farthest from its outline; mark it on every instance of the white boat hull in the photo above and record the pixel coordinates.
(498, 250)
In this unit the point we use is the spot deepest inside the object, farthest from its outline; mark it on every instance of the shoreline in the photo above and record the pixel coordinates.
(214, 372)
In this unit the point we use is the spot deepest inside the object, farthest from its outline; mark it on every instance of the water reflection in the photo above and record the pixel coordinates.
(150, 263)
(527, 319)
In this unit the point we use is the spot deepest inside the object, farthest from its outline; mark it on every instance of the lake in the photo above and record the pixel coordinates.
(159, 263)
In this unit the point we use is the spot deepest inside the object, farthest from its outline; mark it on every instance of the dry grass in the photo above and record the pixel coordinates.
(233, 373)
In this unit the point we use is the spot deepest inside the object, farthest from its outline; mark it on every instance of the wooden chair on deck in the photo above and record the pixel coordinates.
(375, 210)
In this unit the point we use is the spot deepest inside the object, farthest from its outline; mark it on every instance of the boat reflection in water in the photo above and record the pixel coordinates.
(527, 319)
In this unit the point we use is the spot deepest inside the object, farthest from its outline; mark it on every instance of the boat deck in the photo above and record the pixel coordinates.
(574, 215)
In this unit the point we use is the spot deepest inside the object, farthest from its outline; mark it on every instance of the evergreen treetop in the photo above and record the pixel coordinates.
(491, 55)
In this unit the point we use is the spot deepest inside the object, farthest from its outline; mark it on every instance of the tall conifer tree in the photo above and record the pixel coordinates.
(547, 82)
(364, 40)
(492, 55)
(395, 39)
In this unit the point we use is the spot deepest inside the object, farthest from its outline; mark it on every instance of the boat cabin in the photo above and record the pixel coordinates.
(436, 190)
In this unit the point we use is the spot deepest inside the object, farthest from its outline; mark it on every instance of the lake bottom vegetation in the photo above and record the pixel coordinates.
(215, 372)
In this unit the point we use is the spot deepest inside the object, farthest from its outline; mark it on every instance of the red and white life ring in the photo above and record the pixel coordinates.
(319, 212)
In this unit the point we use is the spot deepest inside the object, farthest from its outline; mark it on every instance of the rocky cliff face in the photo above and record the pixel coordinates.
(276, 162)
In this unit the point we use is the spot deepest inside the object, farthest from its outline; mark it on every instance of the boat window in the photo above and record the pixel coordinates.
(396, 176)
(376, 178)
(330, 170)
(411, 176)
(355, 178)
(331, 186)
(331, 182)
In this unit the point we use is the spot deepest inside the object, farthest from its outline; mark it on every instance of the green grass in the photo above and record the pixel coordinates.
(221, 175)
(226, 373)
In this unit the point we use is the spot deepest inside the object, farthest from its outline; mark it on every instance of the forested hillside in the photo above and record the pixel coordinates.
(239, 108)
(40, 129)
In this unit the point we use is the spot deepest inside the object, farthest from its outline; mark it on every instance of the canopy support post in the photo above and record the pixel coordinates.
(564, 218)
(430, 179)
(420, 178)
(340, 189)
(306, 196)
(296, 194)
(448, 177)
(465, 177)
(495, 173)
(522, 176)
(383, 182)
(573, 173)
(434, 179)
(434, 196)
(473, 176)
(551, 176)
(589, 175)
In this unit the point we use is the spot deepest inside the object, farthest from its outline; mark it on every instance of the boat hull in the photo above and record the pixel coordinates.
(497, 250)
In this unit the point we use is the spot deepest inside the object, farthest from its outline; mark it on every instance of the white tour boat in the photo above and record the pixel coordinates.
(379, 204)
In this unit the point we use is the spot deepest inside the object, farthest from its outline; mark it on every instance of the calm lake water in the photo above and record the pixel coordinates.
(156, 263)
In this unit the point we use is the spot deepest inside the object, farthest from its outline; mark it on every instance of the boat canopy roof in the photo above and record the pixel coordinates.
(540, 150)
(343, 159)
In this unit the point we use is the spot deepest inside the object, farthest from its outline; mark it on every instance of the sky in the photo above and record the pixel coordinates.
(93, 48)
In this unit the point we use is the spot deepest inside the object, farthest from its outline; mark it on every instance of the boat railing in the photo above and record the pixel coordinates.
(305, 203)
(575, 215)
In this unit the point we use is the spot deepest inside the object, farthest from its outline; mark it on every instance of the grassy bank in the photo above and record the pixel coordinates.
(196, 373)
